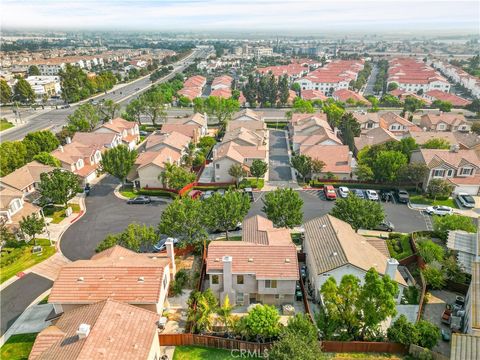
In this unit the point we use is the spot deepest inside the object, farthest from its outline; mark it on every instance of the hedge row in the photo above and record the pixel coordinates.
(157, 193)
(318, 184)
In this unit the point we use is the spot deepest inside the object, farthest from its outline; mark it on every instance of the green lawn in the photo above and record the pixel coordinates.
(230, 238)
(204, 353)
(57, 213)
(14, 260)
(4, 125)
(420, 199)
(128, 193)
(399, 246)
(18, 347)
(253, 183)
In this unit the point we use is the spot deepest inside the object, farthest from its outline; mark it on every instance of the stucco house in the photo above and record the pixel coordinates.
(196, 119)
(338, 160)
(396, 124)
(173, 140)
(367, 120)
(261, 268)
(128, 130)
(26, 178)
(460, 167)
(117, 273)
(375, 136)
(13, 206)
(244, 137)
(444, 122)
(334, 249)
(107, 329)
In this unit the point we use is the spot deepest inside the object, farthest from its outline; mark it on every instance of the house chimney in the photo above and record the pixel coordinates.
(227, 274)
(171, 254)
(68, 140)
(391, 268)
(110, 121)
(60, 148)
(83, 331)
(454, 148)
(350, 156)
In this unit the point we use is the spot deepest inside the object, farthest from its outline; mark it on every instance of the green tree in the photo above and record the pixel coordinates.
(258, 168)
(32, 225)
(33, 70)
(412, 104)
(334, 113)
(439, 188)
(13, 156)
(403, 331)
(134, 111)
(108, 110)
(225, 313)
(250, 90)
(263, 321)
(202, 315)
(302, 106)
(364, 172)
(154, 105)
(291, 346)
(387, 165)
(5, 92)
(74, 84)
(443, 224)
(225, 212)
(359, 213)
(302, 164)
(184, 219)
(392, 86)
(189, 157)
(434, 277)
(476, 127)
(23, 92)
(237, 172)
(222, 109)
(47, 159)
(58, 186)
(414, 173)
(283, 90)
(283, 207)
(436, 143)
(390, 101)
(45, 141)
(118, 162)
(183, 101)
(85, 118)
(428, 334)
(430, 251)
(175, 177)
(135, 237)
(444, 106)
(350, 128)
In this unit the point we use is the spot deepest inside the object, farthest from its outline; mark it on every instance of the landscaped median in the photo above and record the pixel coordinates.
(58, 213)
(422, 200)
(18, 346)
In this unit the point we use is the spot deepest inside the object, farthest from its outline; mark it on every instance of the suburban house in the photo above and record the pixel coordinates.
(173, 140)
(460, 167)
(396, 124)
(334, 249)
(99, 140)
(444, 122)
(402, 95)
(243, 137)
(197, 119)
(338, 160)
(258, 126)
(128, 130)
(117, 273)
(222, 82)
(227, 154)
(421, 137)
(453, 99)
(262, 268)
(13, 206)
(367, 120)
(106, 329)
(193, 131)
(247, 115)
(313, 95)
(83, 160)
(349, 96)
(299, 118)
(149, 165)
(372, 137)
(26, 178)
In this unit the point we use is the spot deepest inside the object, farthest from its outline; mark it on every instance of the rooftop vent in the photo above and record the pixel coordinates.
(324, 226)
(250, 259)
(334, 253)
(80, 279)
(141, 279)
(217, 260)
(287, 260)
(83, 331)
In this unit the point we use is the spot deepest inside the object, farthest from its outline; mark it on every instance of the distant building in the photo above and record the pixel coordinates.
(260, 52)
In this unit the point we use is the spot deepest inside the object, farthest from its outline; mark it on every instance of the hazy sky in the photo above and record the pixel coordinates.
(246, 15)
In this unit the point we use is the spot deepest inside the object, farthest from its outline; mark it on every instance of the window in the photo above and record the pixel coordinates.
(165, 282)
(466, 171)
(215, 279)
(239, 298)
(217, 166)
(449, 173)
(438, 173)
(270, 284)
(240, 280)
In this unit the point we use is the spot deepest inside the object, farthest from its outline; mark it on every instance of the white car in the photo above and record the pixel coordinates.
(372, 195)
(439, 210)
(343, 191)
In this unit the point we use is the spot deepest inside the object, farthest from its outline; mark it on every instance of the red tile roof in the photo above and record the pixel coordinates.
(451, 98)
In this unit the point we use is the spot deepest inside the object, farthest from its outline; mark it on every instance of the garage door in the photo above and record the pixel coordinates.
(469, 189)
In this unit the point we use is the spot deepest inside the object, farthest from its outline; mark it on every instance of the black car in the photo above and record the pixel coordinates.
(386, 196)
(87, 189)
(403, 196)
(140, 200)
(385, 226)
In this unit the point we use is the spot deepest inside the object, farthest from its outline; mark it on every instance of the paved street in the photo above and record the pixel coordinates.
(279, 164)
(18, 296)
(371, 82)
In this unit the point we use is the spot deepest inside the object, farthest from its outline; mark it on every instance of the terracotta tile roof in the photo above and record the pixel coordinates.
(224, 80)
(173, 139)
(469, 180)
(190, 93)
(119, 124)
(26, 210)
(71, 153)
(241, 135)
(299, 117)
(452, 119)
(467, 140)
(313, 95)
(239, 153)
(301, 126)
(451, 98)
(159, 158)
(254, 115)
(188, 130)
(196, 118)
(259, 230)
(363, 117)
(250, 125)
(454, 159)
(222, 93)
(421, 137)
(119, 274)
(117, 331)
(195, 81)
(335, 72)
(375, 136)
(335, 157)
(333, 243)
(344, 95)
(465, 346)
(316, 138)
(95, 139)
(390, 118)
(379, 244)
(280, 70)
(26, 175)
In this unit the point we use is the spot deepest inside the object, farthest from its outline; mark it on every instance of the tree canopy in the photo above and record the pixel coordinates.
(58, 186)
(85, 118)
(118, 161)
(135, 237)
(283, 207)
(176, 177)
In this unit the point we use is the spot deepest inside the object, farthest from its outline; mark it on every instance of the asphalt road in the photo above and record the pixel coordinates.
(56, 118)
(16, 297)
(371, 82)
(106, 214)
(279, 163)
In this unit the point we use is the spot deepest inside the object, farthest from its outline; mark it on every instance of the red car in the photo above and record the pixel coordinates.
(330, 193)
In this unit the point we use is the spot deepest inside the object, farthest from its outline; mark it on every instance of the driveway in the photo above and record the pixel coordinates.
(18, 296)
(279, 163)
(106, 214)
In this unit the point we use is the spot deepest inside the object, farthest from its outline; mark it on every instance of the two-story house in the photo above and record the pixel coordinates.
(445, 122)
(26, 178)
(397, 124)
(367, 120)
(13, 206)
(128, 130)
(262, 268)
(460, 167)
(334, 249)
(173, 140)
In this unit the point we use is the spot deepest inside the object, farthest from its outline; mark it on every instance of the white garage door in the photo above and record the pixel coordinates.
(469, 189)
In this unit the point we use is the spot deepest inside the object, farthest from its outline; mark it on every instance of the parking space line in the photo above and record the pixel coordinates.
(428, 221)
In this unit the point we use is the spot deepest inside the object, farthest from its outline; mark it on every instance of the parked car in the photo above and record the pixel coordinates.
(298, 292)
(466, 200)
(249, 192)
(238, 227)
(403, 196)
(343, 191)
(371, 195)
(445, 335)
(207, 194)
(144, 133)
(439, 210)
(303, 271)
(221, 192)
(161, 245)
(140, 200)
(87, 189)
(359, 193)
(329, 192)
(385, 226)
(386, 196)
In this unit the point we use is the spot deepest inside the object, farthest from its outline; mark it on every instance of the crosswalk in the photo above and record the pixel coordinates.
(428, 221)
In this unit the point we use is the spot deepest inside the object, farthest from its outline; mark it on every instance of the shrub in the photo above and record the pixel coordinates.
(157, 193)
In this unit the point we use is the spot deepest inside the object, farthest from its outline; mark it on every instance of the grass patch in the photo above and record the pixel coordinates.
(18, 347)
(399, 246)
(57, 213)
(230, 238)
(4, 124)
(128, 193)
(44, 300)
(204, 353)
(420, 199)
(14, 260)
(297, 238)
(252, 183)
(279, 125)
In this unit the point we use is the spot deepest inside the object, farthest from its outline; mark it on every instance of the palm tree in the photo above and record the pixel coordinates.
(225, 313)
(189, 155)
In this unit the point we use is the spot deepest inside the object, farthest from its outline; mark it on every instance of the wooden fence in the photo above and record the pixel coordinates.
(214, 342)
(363, 346)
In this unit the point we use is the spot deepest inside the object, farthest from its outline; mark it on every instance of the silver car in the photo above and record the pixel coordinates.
(439, 210)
